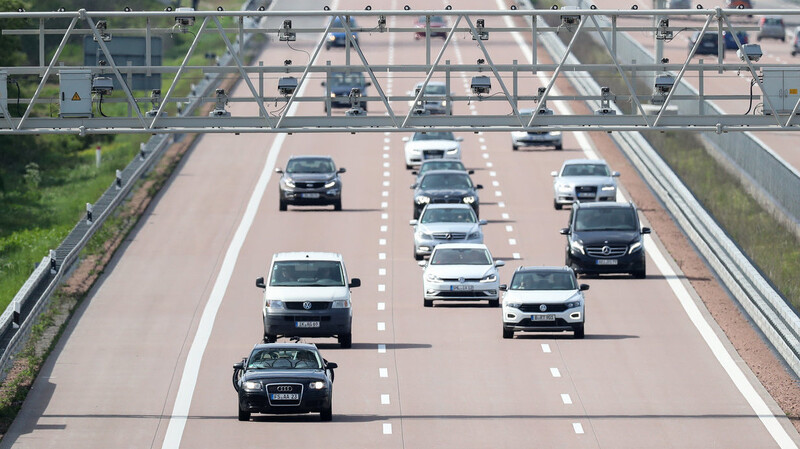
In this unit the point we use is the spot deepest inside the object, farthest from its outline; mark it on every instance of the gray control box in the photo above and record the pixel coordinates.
(76, 93)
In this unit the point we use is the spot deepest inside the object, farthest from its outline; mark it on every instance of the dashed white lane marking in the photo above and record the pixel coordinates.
(386, 174)
(498, 193)
(474, 112)
(505, 216)
(384, 216)
(386, 155)
(483, 147)
(382, 242)
(485, 155)
(509, 228)
(384, 228)
(381, 306)
(516, 256)
(386, 183)
(545, 348)
(566, 399)
(384, 205)
(555, 372)
(387, 428)
(386, 165)
(492, 173)
(381, 326)
(383, 372)
(386, 148)
(512, 242)
(386, 140)
(384, 399)
(381, 271)
(501, 204)
(481, 139)
(385, 193)
(489, 165)
(381, 287)
(382, 256)
(577, 427)
(387, 133)
(381, 349)
(495, 184)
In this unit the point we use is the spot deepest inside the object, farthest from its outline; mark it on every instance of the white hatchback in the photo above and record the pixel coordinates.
(461, 272)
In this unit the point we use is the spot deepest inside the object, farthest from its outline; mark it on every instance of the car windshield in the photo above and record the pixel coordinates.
(446, 181)
(439, 20)
(337, 22)
(435, 135)
(461, 256)
(347, 79)
(311, 273)
(585, 170)
(284, 358)
(434, 89)
(773, 21)
(443, 164)
(310, 165)
(543, 281)
(605, 219)
(449, 215)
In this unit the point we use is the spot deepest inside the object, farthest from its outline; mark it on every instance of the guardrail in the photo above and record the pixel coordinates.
(17, 320)
(768, 310)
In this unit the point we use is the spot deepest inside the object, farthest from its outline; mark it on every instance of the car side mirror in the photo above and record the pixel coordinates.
(422, 263)
(322, 84)
(479, 186)
(413, 186)
(584, 287)
(260, 283)
(482, 222)
(239, 365)
(331, 365)
(405, 139)
(355, 282)
(368, 83)
(414, 172)
(564, 231)
(341, 170)
(459, 139)
(615, 174)
(279, 171)
(503, 287)
(554, 173)
(470, 172)
(413, 222)
(499, 263)
(645, 230)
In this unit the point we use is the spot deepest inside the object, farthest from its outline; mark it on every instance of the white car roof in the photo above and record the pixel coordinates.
(460, 246)
(308, 255)
(584, 161)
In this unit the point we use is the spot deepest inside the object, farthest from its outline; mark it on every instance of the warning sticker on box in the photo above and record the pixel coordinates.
(76, 97)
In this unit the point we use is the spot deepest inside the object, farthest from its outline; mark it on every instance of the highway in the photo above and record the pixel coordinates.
(147, 360)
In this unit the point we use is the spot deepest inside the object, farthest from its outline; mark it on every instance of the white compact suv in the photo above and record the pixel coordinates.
(307, 294)
(543, 299)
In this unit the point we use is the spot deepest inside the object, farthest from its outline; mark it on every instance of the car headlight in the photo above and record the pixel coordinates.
(430, 277)
(576, 245)
(289, 183)
(566, 188)
(452, 151)
(333, 95)
(474, 235)
(424, 236)
(330, 184)
(444, 102)
(573, 304)
(331, 37)
(490, 278)
(318, 385)
(608, 188)
(469, 199)
(340, 304)
(422, 199)
(635, 246)
(513, 305)
(275, 304)
(555, 133)
(253, 386)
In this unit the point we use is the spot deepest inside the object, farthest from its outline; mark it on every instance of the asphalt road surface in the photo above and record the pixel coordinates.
(146, 362)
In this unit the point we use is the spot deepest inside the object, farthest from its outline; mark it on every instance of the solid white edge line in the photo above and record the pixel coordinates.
(741, 382)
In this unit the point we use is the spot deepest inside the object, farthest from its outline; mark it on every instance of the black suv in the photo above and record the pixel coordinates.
(605, 238)
(310, 181)
(445, 186)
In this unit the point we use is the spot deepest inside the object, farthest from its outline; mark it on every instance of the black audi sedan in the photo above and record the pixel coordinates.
(310, 181)
(445, 186)
(284, 378)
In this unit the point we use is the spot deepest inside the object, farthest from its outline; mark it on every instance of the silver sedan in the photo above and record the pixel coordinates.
(445, 223)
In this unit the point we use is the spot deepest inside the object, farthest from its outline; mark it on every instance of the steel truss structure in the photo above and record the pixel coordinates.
(509, 79)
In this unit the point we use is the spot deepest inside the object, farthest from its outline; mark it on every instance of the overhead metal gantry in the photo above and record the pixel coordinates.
(511, 87)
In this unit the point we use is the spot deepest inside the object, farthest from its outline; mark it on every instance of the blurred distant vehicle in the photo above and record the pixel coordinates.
(339, 38)
(679, 4)
(730, 44)
(435, 101)
(708, 43)
(438, 27)
(772, 27)
(744, 4)
(796, 44)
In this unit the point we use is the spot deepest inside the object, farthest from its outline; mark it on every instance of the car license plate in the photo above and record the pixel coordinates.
(285, 396)
(585, 194)
(461, 288)
(306, 324)
(548, 317)
(309, 195)
(607, 261)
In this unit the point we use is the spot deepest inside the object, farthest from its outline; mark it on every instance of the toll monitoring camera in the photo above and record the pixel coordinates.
(286, 34)
(605, 102)
(287, 85)
(750, 52)
(570, 19)
(481, 84)
(662, 86)
(184, 20)
(102, 27)
(102, 85)
(219, 108)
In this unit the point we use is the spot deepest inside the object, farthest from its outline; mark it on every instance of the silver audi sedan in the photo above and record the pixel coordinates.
(583, 180)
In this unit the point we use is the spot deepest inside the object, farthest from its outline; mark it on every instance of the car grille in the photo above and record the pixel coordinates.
(432, 154)
(550, 308)
(585, 191)
(306, 318)
(559, 322)
(285, 388)
(457, 279)
(315, 305)
(309, 185)
(451, 200)
(614, 251)
(449, 235)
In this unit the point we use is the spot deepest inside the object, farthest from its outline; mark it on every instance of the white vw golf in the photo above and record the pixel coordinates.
(461, 272)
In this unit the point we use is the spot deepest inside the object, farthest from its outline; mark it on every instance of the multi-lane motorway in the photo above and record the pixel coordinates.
(147, 360)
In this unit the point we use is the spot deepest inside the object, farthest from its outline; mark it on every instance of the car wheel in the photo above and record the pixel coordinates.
(427, 302)
(641, 273)
(494, 303)
(508, 333)
(326, 414)
(268, 338)
(243, 415)
(514, 147)
(282, 206)
(337, 205)
(556, 205)
(417, 256)
(578, 330)
(559, 147)
(416, 213)
(345, 340)
(759, 38)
